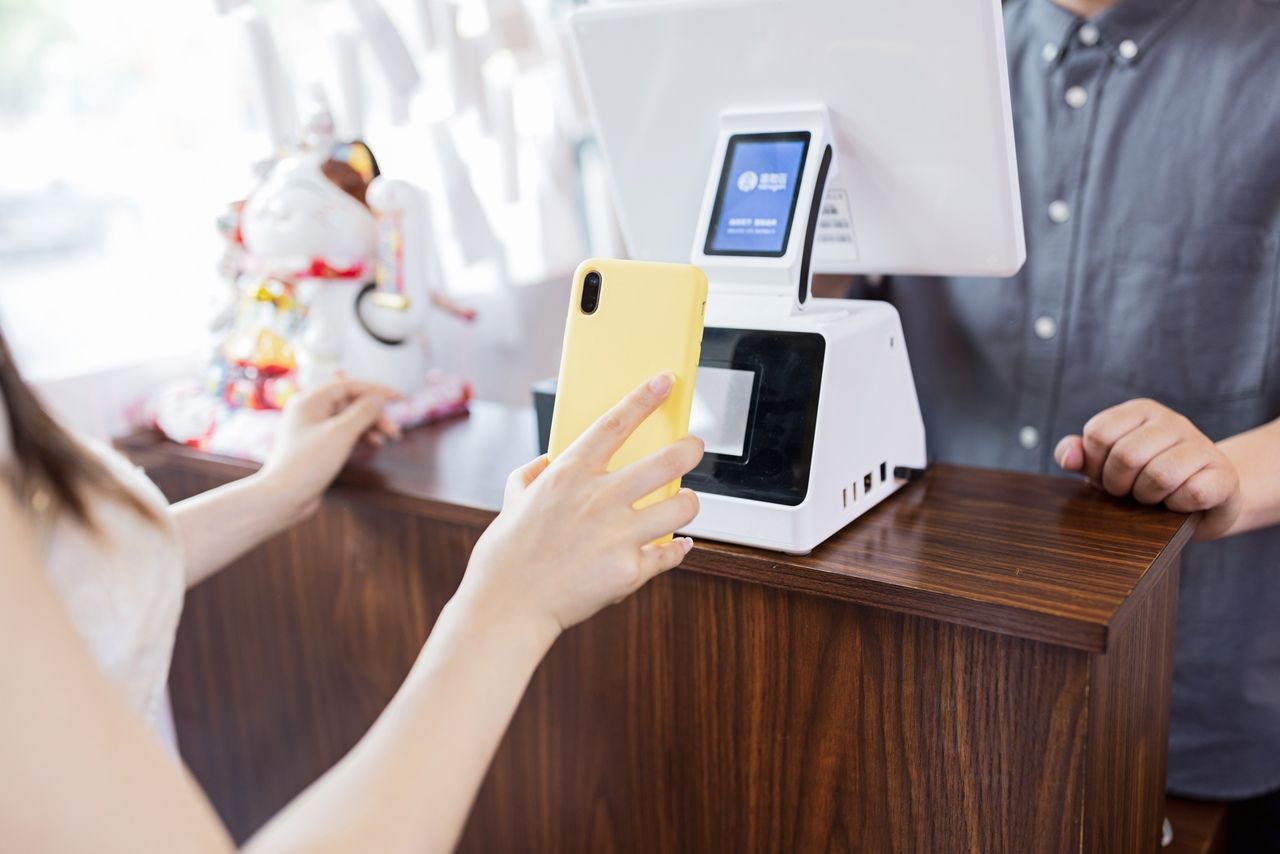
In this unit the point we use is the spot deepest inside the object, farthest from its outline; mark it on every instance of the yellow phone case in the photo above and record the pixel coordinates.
(648, 320)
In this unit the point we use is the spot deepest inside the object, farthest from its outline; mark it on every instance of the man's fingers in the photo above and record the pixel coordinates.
(657, 559)
(1203, 490)
(661, 467)
(602, 439)
(1132, 452)
(523, 477)
(1166, 472)
(1070, 453)
(1106, 428)
(667, 516)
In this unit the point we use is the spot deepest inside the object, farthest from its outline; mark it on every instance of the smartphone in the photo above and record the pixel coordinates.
(628, 322)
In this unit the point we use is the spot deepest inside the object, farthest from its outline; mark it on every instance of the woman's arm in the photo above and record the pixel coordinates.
(567, 543)
(81, 774)
(317, 433)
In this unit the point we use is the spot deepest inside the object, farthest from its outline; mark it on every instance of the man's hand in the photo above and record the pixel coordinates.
(1145, 449)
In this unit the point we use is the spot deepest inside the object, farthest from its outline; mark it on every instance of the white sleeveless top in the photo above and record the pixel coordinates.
(122, 587)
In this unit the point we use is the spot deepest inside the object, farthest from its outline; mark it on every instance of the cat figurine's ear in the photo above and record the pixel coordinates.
(359, 157)
(351, 167)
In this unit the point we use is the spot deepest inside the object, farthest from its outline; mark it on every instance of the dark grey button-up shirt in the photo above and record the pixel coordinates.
(1149, 149)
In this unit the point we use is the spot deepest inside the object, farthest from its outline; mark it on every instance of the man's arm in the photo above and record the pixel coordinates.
(1256, 457)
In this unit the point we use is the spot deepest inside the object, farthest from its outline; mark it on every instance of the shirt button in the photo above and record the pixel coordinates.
(1128, 50)
(1077, 97)
(1088, 35)
(1045, 327)
(1059, 211)
(1029, 438)
(1049, 52)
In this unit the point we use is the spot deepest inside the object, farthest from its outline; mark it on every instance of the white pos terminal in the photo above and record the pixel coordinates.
(774, 113)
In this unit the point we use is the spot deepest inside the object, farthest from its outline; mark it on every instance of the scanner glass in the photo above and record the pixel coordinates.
(721, 406)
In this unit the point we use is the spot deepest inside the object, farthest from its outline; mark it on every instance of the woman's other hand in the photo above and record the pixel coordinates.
(319, 429)
(569, 540)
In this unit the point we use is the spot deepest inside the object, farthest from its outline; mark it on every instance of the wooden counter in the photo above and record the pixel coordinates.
(982, 663)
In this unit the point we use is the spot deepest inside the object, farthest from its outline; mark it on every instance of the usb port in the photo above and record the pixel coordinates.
(884, 472)
(866, 483)
(844, 497)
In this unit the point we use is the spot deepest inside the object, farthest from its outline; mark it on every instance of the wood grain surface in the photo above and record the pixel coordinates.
(1199, 827)
(980, 664)
(1044, 558)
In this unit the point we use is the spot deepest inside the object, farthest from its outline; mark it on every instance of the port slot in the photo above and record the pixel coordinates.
(866, 483)
(884, 472)
(844, 497)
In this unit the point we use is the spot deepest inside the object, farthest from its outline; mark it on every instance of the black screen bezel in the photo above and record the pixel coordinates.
(714, 225)
(784, 402)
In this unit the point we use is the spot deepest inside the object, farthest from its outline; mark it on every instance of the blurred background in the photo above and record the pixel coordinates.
(128, 127)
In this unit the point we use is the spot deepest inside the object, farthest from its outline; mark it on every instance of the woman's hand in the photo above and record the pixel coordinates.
(319, 429)
(1145, 448)
(569, 540)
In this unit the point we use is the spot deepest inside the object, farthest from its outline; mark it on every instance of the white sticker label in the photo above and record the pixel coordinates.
(835, 226)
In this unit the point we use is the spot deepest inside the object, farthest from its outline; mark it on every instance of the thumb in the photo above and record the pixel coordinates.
(1070, 453)
(358, 416)
(523, 477)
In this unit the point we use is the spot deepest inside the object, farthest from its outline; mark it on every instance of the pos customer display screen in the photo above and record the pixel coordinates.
(756, 200)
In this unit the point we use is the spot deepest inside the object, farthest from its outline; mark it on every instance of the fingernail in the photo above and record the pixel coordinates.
(687, 542)
(661, 384)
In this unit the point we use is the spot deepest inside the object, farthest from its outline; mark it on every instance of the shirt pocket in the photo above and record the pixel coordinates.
(1189, 314)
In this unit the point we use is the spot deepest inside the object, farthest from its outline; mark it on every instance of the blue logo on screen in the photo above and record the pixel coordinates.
(757, 198)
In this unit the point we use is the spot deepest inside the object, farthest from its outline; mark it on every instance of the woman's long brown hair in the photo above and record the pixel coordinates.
(48, 459)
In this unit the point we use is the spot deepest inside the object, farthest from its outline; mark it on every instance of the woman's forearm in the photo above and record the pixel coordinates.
(1256, 457)
(409, 784)
(218, 526)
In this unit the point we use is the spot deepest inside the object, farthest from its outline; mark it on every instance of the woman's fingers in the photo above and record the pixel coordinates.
(657, 559)
(334, 396)
(388, 427)
(523, 477)
(601, 441)
(1132, 453)
(659, 468)
(360, 415)
(667, 516)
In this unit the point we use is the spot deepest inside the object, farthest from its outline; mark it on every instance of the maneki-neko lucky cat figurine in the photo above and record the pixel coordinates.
(334, 279)
(332, 275)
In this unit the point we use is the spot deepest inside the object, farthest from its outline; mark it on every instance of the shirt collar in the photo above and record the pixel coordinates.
(1127, 30)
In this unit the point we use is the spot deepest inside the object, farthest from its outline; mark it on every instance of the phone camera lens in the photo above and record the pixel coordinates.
(591, 292)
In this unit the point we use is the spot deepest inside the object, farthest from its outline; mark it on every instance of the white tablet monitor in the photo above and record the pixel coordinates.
(918, 102)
